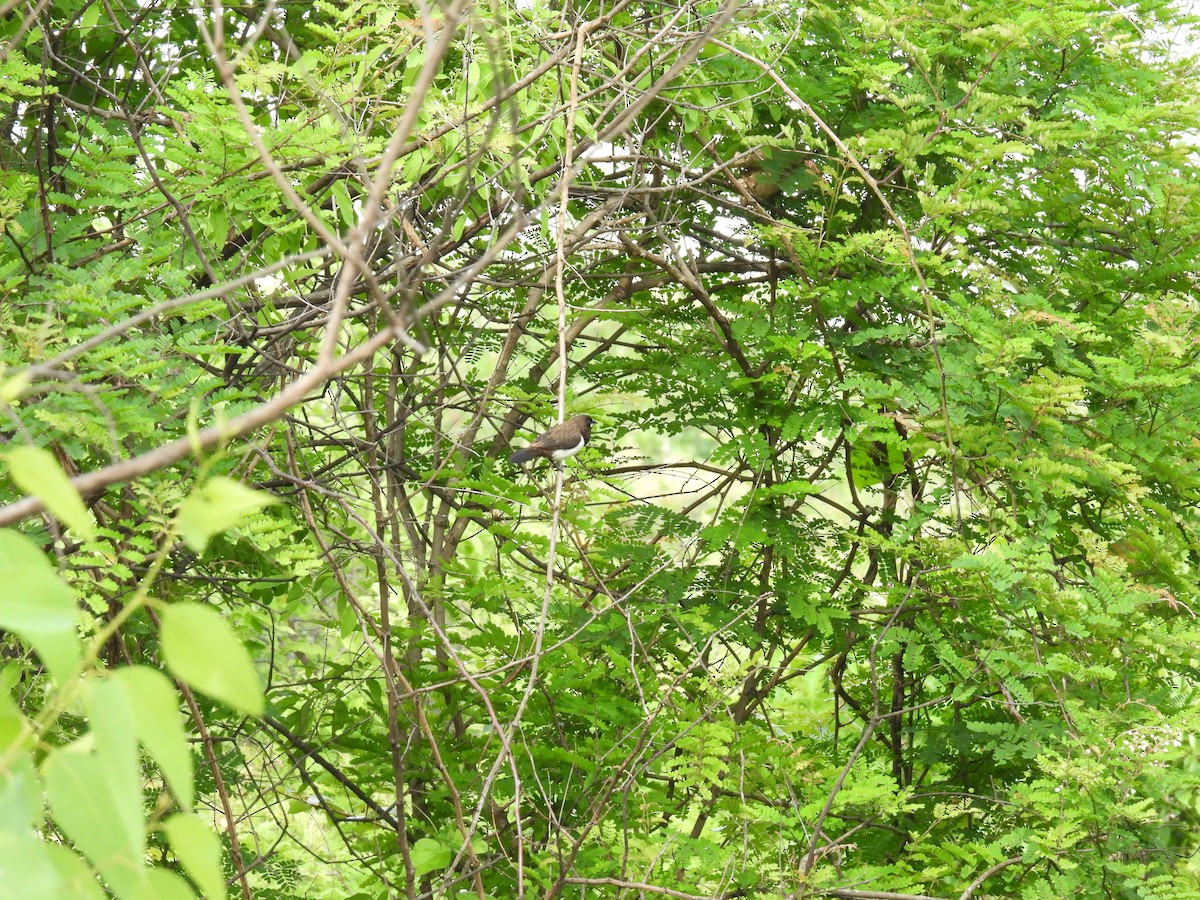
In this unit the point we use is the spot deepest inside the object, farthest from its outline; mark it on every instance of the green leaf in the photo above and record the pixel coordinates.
(31, 869)
(160, 727)
(163, 884)
(90, 17)
(111, 713)
(95, 813)
(26, 869)
(200, 852)
(37, 605)
(20, 799)
(78, 881)
(37, 473)
(12, 388)
(201, 649)
(12, 722)
(429, 855)
(216, 506)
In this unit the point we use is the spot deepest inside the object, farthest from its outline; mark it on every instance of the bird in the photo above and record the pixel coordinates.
(559, 443)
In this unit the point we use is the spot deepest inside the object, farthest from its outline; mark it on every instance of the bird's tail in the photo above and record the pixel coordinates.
(522, 456)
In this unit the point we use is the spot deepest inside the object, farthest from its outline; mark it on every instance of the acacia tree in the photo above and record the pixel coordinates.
(877, 579)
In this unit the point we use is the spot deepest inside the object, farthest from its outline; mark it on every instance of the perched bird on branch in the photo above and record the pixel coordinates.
(558, 443)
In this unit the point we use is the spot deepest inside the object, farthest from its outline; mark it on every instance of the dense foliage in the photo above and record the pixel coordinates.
(877, 579)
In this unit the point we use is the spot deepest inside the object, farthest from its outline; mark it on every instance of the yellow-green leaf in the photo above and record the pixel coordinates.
(219, 504)
(37, 473)
(199, 849)
(429, 855)
(160, 727)
(96, 814)
(202, 650)
(37, 605)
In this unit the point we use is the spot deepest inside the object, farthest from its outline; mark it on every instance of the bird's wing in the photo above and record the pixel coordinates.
(561, 437)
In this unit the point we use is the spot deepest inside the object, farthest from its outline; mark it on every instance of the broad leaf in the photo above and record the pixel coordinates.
(216, 506)
(199, 849)
(160, 726)
(95, 816)
(429, 855)
(37, 472)
(201, 649)
(37, 606)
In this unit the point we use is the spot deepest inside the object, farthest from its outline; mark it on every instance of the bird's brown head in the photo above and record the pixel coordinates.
(585, 426)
